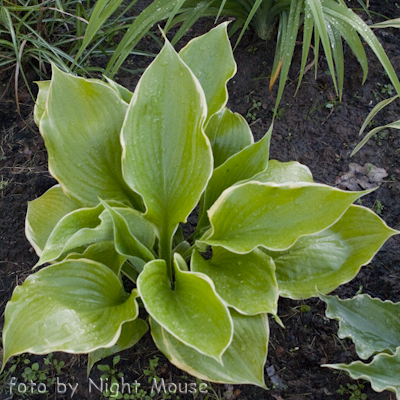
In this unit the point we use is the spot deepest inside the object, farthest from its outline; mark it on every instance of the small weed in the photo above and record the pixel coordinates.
(3, 183)
(252, 49)
(279, 113)
(386, 89)
(111, 374)
(305, 308)
(151, 373)
(380, 137)
(354, 390)
(253, 110)
(55, 364)
(378, 207)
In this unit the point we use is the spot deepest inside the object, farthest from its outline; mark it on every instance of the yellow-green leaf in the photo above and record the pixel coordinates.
(43, 215)
(323, 261)
(245, 282)
(210, 58)
(76, 306)
(274, 215)
(243, 361)
(167, 158)
(192, 311)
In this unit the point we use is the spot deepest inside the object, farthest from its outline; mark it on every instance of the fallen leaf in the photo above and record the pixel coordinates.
(358, 177)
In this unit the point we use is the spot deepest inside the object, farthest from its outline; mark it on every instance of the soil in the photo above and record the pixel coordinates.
(307, 131)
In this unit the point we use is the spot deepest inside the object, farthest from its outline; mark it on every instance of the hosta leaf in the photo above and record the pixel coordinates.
(281, 172)
(241, 166)
(228, 133)
(76, 306)
(85, 157)
(167, 158)
(131, 333)
(43, 215)
(372, 324)
(322, 262)
(104, 253)
(138, 226)
(78, 228)
(245, 282)
(273, 215)
(192, 312)
(210, 58)
(383, 372)
(40, 105)
(125, 94)
(126, 243)
(243, 361)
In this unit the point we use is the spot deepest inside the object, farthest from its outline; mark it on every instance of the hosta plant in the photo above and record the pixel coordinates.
(132, 167)
(374, 327)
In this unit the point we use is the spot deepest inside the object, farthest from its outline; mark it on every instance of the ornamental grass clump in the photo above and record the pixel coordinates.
(131, 168)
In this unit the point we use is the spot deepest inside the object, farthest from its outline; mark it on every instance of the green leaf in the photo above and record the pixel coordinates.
(167, 158)
(43, 215)
(372, 324)
(290, 35)
(382, 104)
(274, 215)
(85, 157)
(76, 306)
(102, 11)
(323, 261)
(137, 225)
(210, 58)
(228, 133)
(383, 372)
(131, 333)
(243, 361)
(353, 41)
(391, 23)
(370, 117)
(156, 11)
(78, 228)
(245, 282)
(243, 165)
(41, 100)
(318, 13)
(342, 13)
(307, 35)
(393, 125)
(192, 312)
(126, 243)
(337, 52)
(281, 172)
(104, 253)
(125, 94)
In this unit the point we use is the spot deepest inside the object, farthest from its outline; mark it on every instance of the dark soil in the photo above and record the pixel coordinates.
(307, 131)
